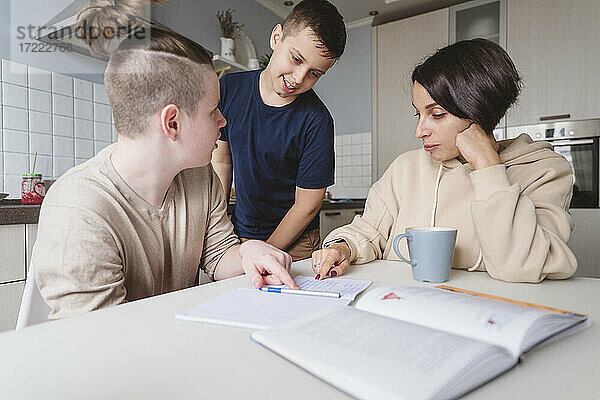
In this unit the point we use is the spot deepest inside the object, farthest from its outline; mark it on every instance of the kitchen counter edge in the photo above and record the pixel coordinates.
(12, 212)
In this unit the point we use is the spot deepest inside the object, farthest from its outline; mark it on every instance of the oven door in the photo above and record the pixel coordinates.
(582, 154)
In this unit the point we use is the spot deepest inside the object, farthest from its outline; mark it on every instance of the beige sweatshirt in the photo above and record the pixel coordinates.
(100, 244)
(514, 214)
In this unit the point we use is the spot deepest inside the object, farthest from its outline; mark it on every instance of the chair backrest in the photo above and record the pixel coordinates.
(34, 309)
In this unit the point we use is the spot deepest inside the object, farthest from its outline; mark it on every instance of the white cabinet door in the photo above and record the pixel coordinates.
(10, 301)
(12, 253)
(554, 44)
(397, 48)
(331, 219)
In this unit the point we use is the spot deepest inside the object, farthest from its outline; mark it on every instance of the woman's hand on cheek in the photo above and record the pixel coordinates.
(477, 147)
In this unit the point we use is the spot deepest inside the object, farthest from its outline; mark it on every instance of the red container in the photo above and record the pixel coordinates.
(32, 189)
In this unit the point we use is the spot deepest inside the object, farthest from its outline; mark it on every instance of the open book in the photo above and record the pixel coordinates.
(417, 343)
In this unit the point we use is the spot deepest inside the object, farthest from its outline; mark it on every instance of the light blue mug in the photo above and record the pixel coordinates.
(431, 249)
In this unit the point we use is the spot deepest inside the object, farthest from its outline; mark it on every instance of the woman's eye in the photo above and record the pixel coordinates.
(315, 74)
(440, 115)
(296, 59)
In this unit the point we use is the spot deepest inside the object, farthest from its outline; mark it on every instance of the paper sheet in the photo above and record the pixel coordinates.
(348, 288)
(248, 307)
(256, 310)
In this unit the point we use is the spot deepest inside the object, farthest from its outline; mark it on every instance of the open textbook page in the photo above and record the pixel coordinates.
(374, 357)
(516, 327)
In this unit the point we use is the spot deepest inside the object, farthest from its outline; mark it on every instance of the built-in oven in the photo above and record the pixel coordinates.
(579, 143)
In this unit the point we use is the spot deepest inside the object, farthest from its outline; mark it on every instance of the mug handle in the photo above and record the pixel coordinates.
(39, 189)
(408, 236)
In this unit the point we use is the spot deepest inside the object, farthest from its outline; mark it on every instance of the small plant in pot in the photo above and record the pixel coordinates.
(230, 30)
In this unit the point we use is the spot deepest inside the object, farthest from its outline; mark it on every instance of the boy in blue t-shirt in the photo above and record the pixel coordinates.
(279, 137)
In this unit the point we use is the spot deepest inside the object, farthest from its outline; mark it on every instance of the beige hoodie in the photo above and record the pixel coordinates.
(515, 215)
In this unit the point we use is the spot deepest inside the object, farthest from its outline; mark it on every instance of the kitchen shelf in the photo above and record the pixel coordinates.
(223, 65)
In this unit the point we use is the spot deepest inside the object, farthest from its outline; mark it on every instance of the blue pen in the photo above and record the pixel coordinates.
(299, 292)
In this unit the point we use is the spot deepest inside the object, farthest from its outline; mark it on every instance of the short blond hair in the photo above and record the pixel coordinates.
(144, 75)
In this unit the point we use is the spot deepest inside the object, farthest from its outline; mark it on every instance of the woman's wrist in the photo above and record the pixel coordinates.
(342, 247)
(486, 160)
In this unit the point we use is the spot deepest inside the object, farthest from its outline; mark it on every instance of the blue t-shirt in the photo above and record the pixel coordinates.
(274, 149)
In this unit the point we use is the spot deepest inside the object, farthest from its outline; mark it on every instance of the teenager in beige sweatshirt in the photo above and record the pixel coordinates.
(143, 216)
(509, 200)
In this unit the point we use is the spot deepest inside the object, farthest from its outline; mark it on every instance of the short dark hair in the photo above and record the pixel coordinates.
(321, 17)
(473, 79)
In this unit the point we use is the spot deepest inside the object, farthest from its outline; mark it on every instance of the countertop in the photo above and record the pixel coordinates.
(337, 204)
(12, 212)
(327, 205)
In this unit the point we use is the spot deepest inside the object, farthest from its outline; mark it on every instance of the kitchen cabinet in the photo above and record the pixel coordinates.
(12, 253)
(16, 244)
(554, 45)
(10, 299)
(334, 218)
(397, 47)
(12, 273)
(479, 19)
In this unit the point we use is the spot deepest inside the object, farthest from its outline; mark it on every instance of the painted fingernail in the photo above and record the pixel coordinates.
(333, 274)
(317, 277)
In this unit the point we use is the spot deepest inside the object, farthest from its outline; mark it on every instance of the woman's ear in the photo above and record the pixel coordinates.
(276, 36)
(170, 121)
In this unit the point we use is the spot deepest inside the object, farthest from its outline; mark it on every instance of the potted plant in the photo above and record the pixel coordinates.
(230, 30)
(264, 60)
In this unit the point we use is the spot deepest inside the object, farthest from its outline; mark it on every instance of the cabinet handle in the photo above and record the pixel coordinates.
(571, 142)
(332, 214)
(551, 117)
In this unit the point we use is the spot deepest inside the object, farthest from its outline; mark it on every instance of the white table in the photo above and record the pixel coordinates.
(140, 351)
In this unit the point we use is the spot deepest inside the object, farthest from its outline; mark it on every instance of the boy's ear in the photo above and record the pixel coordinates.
(276, 36)
(170, 121)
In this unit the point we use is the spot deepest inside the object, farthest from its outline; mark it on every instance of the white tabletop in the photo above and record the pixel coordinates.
(140, 351)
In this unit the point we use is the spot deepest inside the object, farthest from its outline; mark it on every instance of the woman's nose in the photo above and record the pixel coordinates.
(422, 130)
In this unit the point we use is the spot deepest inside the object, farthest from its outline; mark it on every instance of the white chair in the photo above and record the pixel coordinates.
(34, 309)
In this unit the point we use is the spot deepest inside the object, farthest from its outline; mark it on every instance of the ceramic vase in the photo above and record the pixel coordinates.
(227, 49)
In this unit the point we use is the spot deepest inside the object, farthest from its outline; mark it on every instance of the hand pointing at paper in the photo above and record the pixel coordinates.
(264, 264)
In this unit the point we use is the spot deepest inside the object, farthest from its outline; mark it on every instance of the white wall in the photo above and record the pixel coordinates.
(352, 166)
(197, 20)
(346, 87)
(65, 120)
(346, 91)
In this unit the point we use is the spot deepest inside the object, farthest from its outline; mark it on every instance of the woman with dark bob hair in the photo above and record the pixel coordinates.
(508, 199)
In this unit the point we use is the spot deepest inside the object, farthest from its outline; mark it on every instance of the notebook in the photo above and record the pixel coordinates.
(247, 307)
